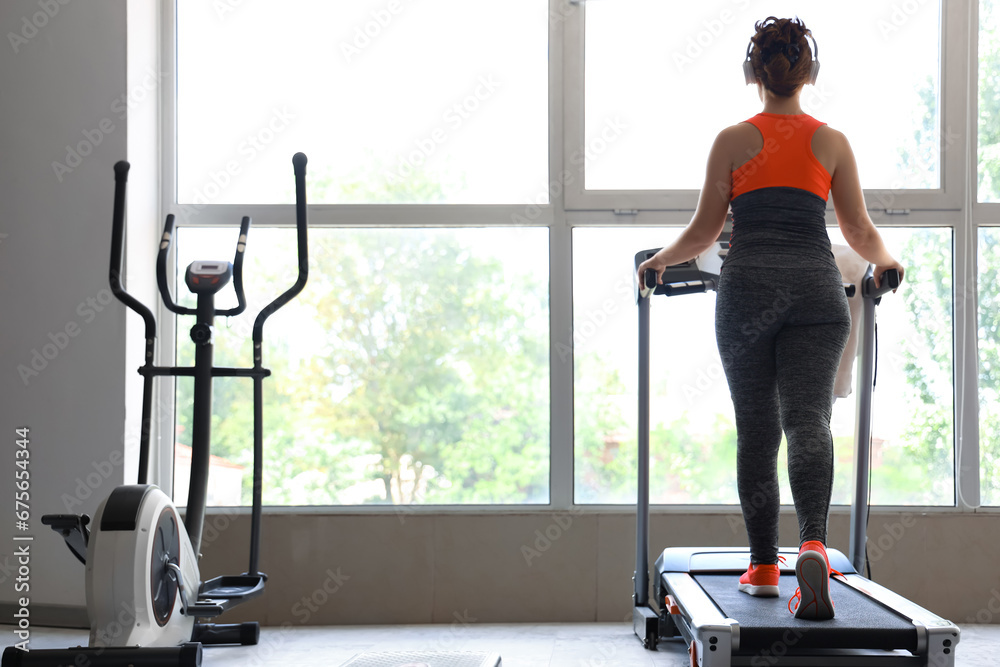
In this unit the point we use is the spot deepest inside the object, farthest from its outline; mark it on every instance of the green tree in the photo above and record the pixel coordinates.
(604, 440)
(431, 362)
(922, 471)
(433, 382)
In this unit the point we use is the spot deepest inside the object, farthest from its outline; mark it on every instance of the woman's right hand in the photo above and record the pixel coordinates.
(882, 268)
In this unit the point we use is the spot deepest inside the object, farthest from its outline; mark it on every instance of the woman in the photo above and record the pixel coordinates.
(782, 319)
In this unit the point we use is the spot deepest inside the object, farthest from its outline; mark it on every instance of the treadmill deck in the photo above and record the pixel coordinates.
(859, 621)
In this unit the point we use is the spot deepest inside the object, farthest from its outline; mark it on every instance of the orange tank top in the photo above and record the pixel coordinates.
(786, 160)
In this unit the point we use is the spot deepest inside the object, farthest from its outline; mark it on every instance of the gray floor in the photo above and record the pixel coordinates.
(554, 645)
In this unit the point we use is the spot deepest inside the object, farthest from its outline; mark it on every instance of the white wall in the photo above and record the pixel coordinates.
(62, 75)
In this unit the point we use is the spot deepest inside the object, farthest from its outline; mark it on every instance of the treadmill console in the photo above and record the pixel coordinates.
(700, 274)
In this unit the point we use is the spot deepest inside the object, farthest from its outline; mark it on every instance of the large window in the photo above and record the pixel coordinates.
(693, 435)
(437, 101)
(667, 77)
(479, 179)
(412, 369)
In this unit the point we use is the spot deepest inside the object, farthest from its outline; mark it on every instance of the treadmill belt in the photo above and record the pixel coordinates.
(859, 622)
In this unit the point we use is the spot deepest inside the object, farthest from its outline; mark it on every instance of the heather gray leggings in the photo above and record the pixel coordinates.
(781, 334)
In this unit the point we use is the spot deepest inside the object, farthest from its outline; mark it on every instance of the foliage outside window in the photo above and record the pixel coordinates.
(693, 434)
(412, 369)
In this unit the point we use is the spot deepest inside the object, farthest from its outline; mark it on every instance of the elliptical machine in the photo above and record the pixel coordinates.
(145, 596)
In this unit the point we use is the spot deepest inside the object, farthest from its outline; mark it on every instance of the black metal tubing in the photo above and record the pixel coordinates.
(117, 244)
(299, 161)
(185, 655)
(201, 426)
(238, 270)
(871, 296)
(301, 225)
(258, 477)
(641, 576)
(245, 634)
(114, 278)
(217, 372)
(161, 270)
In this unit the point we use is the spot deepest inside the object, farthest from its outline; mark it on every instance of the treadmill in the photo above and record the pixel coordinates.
(696, 594)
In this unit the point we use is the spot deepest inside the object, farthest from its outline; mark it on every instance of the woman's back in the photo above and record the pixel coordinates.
(779, 189)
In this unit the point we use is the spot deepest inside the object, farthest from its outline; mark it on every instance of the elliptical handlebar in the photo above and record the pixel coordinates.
(241, 246)
(161, 269)
(117, 244)
(299, 161)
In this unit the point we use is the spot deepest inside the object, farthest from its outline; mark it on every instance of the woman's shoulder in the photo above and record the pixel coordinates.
(830, 135)
(738, 133)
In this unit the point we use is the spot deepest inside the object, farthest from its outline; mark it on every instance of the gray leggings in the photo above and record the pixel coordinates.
(781, 333)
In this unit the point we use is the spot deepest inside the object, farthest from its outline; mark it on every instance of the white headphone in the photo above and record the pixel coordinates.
(750, 77)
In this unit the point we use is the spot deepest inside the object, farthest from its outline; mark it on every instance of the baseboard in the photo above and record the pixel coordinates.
(48, 615)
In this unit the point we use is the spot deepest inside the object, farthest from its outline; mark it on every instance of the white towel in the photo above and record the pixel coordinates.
(852, 270)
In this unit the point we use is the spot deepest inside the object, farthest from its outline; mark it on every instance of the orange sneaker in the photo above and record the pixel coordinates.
(760, 581)
(812, 597)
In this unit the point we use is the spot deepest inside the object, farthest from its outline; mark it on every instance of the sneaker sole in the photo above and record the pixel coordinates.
(814, 587)
(760, 591)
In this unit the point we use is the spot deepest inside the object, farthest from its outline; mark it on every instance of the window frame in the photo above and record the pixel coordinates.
(570, 206)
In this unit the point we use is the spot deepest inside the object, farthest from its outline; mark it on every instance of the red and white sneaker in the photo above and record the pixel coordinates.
(812, 597)
(760, 581)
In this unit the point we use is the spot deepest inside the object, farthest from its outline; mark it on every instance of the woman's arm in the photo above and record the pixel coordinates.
(852, 215)
(709, 217)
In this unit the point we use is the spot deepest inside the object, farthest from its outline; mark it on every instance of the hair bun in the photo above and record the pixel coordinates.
(777, 60)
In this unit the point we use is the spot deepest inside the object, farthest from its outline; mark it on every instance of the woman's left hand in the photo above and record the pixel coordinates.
(657, 265)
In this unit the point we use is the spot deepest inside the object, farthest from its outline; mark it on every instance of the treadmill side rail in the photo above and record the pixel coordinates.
(714, 634)
(937, 636)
